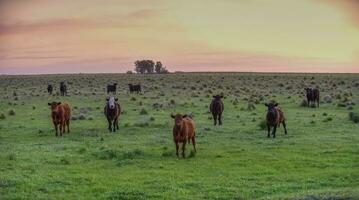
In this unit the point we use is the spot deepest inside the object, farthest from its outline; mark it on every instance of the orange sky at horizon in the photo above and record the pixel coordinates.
(94, 36)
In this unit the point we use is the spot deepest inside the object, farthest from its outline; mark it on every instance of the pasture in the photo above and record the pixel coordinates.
(318, 159)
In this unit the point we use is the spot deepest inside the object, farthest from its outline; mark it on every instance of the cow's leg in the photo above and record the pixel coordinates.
(268, 128)
(60, 127)
(274, 130)
(55, 124)
(177, 147)
(68, 125)
(184, 148)
(285, 127)
(114, 125)
(220, 118)
(214, 118)
(308, 102)
(109, 125)
(117, 123)
(194, 144)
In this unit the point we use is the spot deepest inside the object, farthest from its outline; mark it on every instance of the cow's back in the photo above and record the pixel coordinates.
(66, 110)
(190, 127)
(281, 117)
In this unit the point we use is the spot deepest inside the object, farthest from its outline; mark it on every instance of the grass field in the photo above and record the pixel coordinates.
(318, 159)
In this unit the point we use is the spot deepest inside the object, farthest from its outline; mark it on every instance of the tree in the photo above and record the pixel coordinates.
(158, 67)
(144, 66)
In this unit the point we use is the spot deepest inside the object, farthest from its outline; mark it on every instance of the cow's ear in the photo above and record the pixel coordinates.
(116, 99)
(276, 104)
(172, 116)
(214, 96)
(266, 104)
(184, 116)
(107, 99)
(49, 104)
(221, 96)
(58, 103)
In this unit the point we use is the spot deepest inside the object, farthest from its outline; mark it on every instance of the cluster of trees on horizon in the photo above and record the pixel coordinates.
(149, 67)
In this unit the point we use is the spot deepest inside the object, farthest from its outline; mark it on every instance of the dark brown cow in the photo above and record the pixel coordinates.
(61, 114)
(275, 117)
(112, 112)
(49, 89)
(112, 88)
(217, 108)
(312, 95)
(134, 88)
(183, 131)
(63, 89)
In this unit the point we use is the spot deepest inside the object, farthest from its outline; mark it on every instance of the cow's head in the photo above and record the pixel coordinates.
(271, 107)
(218, 97)
(54, 105)
(178, 119)
(111, 102)
(54, 109)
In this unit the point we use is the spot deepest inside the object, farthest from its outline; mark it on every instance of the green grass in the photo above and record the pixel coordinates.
(318, 159)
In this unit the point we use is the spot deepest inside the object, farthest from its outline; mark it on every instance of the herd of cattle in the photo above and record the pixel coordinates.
(184, 125)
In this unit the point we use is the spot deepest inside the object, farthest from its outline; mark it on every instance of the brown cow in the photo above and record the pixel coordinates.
(61, 114)
(275, 117)
(183, 131)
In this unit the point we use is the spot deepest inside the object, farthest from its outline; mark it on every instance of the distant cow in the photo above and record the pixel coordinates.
(312, 96)
(275, 117)
(61, 114)
(217, 108)
(134, 88)
(112, 112)
(49, 89)
(183, 131)
(63, 89)
(111, 88)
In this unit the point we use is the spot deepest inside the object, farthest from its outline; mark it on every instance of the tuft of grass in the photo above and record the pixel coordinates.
(143, 112)
(303, 103)
(2, 116)
(11, 156)
(262, 124)
(354, 116)
(11, 112)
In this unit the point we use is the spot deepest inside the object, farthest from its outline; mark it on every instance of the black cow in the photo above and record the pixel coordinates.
(312, 96)
(217, 108)
(134, 88)
(49, 89)
(112, 88)
(63, 89)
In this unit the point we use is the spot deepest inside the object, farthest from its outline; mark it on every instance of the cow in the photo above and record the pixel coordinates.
(111, 88)
(61, 114)
(216, 108)
(49, 89)
(63, 89)
(312, 96)
(183, 131)
(112, 112)
(134, 88)
(274, 118)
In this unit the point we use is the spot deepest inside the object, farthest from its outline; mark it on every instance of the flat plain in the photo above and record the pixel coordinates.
(318, 159)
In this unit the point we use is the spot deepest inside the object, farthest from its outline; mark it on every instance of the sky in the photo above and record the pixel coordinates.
(108, 36)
